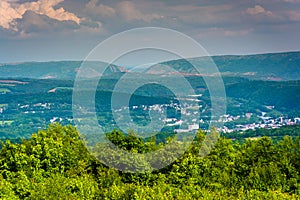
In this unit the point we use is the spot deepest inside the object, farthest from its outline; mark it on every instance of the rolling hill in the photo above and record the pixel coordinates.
(62, 70)
(273, 66)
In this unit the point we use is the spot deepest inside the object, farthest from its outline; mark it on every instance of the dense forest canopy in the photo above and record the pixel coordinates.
(55, 164)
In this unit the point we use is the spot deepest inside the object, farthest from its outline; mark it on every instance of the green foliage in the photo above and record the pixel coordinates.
(55, 164)
(56, 150)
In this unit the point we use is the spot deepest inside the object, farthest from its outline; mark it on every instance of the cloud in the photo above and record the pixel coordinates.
(129, 12)
(33, 23)
(224, 32)
(237, 32)
(46, 7)
(293, 15)
(201, 17)
(259, 10)
(96, 9)
(8, 15)
(292, 1)
(10, 11)
(113, 17)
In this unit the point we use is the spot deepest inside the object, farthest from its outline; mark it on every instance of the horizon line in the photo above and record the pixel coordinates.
(82, 60)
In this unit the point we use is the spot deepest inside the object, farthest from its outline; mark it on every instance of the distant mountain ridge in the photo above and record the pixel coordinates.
(272, 66)
(63, 70)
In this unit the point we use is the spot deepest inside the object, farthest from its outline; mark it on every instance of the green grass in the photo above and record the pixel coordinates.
(7, 84)
(6, 122)
(4, 90)
(64, 88)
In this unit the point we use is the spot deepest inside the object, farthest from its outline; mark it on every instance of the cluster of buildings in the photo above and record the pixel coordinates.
(188, 119)
(263, 122)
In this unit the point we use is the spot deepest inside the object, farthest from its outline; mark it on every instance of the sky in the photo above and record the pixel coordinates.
(48, 30)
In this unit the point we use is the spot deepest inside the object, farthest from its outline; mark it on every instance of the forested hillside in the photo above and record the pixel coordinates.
(272, 66)
(54, 164)
(25, 110)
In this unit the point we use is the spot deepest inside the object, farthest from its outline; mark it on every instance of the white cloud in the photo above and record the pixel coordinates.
(256, 10)
(10, 12)
(46, 7)
(8, 15)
